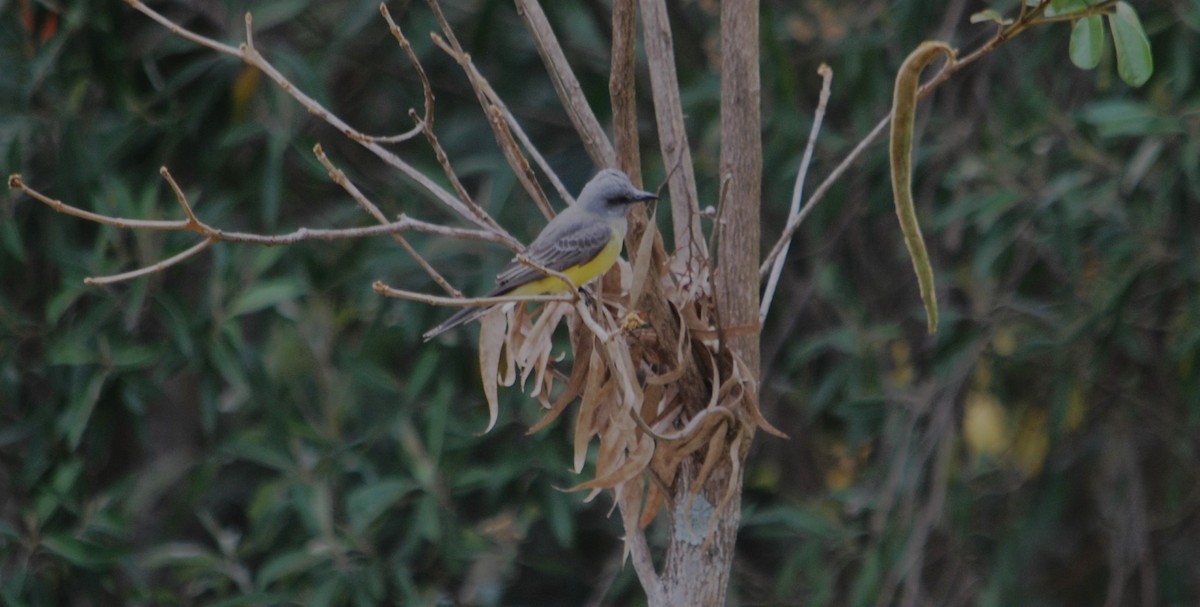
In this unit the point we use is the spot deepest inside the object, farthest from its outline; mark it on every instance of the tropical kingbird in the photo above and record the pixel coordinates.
(582, 242)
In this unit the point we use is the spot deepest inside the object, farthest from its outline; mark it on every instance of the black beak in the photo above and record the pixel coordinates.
(643, 197)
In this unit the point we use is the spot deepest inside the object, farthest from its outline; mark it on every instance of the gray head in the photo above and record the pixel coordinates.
(610, 193)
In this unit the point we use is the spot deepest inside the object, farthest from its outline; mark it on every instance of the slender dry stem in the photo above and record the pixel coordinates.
(339, 177)
(798, 189)
(250, 55)
(213, 235)
(464, 302)
(595, 140)
(668, 111)
(486, 96)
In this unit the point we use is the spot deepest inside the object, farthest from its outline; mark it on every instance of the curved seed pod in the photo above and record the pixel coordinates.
(904, 106)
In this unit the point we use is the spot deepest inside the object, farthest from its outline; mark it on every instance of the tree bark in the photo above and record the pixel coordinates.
(697, 573)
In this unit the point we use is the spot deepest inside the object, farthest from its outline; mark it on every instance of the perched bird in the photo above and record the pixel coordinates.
(582, 243)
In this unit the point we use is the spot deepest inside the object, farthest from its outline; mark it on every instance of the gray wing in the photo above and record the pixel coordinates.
(558, 247)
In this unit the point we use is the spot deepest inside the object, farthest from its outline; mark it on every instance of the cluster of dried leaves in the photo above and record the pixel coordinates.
(628, 383)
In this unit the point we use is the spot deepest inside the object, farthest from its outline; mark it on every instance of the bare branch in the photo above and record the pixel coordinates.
(486, 95)
(668, 111)
(248, 54)
(403, 223)
(621, 88)
(179, 196)
(339, 177)
(517, 160)
(16, 182)
(464, 302)
(213, 235)
(412, 133)
(818, 194)
(798, 190)
(162, 265)
(635, 544)
(426, 122)
(533, 151)
(595, 141)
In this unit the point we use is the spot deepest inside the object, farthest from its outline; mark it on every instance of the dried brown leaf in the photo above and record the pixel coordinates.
(651, 399)
(507, 365)
(491, 346)
(629, 496)
(735, 472)
(580, 372)
(635, 462)
(534, 352)
(750, 397)
(596, 392)
(669, 409)
(641, 263)
(655, 498)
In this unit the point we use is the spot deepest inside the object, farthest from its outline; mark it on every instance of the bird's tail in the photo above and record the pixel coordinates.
(461, 317)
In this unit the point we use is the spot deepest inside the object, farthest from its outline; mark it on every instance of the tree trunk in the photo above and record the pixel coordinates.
(696, 573)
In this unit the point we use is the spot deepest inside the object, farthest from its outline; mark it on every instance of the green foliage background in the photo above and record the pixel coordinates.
(256, 426)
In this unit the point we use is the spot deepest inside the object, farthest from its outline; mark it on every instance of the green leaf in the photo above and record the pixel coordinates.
(80, 553)
(1125, 117)
(75, 419)
(289, 564)
(264, 295)
(253, 446)
(366, 504)
(1087, 42)
(1135, 63)
(178, 554)
(1065, 7)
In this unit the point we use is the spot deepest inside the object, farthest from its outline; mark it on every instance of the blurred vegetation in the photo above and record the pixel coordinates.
(257, 427)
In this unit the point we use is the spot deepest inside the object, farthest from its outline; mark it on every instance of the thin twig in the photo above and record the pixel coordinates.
(595, 141)
(464, 302)
(339, 177)
(404, 223)
(485, 95)
(179, 196)
(412, 133)
(530, 148)
(16, 182)
(668, 111)
(798, 189)
(521, 167)
(820, 192)
(213, 235)
(543, 270)
(425, 123)
(150, 269)
(248, 54)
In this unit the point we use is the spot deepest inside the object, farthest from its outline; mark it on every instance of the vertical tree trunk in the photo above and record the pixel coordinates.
(697, 574)
(738, 254)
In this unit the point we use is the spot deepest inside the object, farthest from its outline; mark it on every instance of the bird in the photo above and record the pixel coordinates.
(582, 242)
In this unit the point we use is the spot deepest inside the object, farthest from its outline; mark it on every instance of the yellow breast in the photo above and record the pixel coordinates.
(580, 274)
